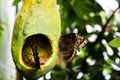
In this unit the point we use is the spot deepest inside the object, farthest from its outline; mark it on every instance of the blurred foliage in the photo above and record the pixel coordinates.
(115, 42)
(97, 61)
(76, 14)
(1, 30)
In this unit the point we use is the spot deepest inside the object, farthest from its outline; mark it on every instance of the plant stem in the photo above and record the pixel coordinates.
(92, 45)
(99, 38)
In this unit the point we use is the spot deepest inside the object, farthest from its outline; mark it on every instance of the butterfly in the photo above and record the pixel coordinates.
(69, 44)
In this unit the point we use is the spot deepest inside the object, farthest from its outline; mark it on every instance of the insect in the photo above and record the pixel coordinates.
(35, 53)
(69, 44)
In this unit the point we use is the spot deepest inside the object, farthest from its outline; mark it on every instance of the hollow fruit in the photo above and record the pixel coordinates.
(35, 38)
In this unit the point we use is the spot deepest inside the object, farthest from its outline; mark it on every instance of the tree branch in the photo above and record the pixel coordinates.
(99, 38)
(104, 27)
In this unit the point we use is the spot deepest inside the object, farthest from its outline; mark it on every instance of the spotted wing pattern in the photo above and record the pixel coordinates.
(69, 44)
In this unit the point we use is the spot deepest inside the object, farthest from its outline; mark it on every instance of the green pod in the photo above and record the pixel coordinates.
(37, 30)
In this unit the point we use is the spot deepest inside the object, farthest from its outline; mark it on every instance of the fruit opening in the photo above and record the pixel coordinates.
(36, 50)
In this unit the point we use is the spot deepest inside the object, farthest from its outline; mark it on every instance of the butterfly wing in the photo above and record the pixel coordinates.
(69, 44)
(80, 41)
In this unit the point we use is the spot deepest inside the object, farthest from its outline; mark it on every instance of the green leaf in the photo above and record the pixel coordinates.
(16, 2)
(115, 42)
(118, 0)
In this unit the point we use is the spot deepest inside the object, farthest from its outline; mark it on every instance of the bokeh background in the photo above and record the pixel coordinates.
(97, 20)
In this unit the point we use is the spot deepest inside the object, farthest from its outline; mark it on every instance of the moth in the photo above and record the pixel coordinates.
(69, 44)
(35, 52)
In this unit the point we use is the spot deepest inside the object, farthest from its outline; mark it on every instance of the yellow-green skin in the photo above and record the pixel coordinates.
(36, 17)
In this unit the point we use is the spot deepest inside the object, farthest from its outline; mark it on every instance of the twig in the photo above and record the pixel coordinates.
(92, 45)
(35, 53)
(104, 27)
(16, 9)
(101, 33)
(70, 72)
